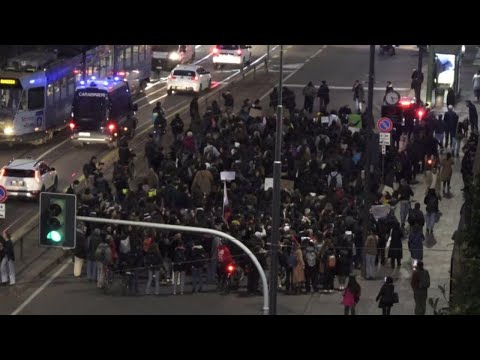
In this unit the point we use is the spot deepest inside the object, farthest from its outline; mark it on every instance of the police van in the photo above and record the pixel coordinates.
(102, 111)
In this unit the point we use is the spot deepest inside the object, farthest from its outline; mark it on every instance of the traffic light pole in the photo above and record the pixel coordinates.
(368, 155)
(192, 229)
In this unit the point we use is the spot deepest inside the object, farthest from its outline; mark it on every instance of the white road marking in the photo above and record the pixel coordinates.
(197, 46)
(346, 87)
(41, 156)
(294, 72)
(41, 288)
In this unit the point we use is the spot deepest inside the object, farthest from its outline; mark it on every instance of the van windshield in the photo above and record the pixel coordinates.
(89, 104)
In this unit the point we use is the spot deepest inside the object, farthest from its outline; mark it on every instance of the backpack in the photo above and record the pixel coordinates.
(101, 253)
(333, 182)
(292, 260)
(331, 262)
(179, 256)
(125, 245)
(424, 282)
(432, 203)
(310, 256)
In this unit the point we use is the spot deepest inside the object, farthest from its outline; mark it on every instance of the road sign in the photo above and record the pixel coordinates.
(384, 139)
(2, 211)
(384, 125)
(3, 194)
(384, 149)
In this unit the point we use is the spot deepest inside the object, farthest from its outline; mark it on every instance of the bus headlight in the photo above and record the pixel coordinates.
(8, 130)
(174, 56)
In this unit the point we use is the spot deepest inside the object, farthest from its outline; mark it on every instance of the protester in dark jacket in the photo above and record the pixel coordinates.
(386, 296)
(324, 96)
(431, 200)
(395, 251)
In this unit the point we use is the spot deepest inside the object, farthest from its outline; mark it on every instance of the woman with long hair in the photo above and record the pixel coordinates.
(351, 295)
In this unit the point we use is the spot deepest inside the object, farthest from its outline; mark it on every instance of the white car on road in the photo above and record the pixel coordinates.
(188, 78)
(28, 178)
(232, 54)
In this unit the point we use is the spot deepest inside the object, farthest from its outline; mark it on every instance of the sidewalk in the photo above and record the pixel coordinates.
(437, 255)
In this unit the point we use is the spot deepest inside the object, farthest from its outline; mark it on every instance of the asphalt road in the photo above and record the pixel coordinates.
(341, 65)
(69, 161)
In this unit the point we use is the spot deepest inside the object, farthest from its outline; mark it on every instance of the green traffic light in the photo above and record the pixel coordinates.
(54, 236)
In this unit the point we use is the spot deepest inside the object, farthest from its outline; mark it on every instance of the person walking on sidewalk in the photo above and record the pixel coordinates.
(386, 296)
(404, 193)
(476, 85)
(7, 266)
(370, 255)
(351, 295)
(431, 200)
(451, 122)
(446, 172)
(309, 92)
(420, 284)
(472, 116)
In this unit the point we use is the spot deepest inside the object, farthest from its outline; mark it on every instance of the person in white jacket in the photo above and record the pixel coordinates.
(476, 85)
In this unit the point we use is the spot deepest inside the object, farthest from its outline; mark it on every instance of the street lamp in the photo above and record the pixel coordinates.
(368, 154)
(277, 172)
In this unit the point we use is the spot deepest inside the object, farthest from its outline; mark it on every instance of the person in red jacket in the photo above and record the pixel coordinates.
(224, 258)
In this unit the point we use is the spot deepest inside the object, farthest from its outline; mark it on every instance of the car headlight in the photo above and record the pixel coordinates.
(174, 56)
(8, 130)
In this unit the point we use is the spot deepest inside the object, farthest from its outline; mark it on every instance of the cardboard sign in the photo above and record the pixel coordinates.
(227, 175)
(268, 183)
(254, 113)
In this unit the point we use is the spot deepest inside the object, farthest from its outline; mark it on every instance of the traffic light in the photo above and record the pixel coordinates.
(58, 220)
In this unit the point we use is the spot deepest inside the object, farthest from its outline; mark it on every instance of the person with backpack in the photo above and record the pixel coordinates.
(334, 180)
(387, 296)
(415, 244)
(7, 265)
(153, 261)
(370, 254)
(420, 284)
(94, 241)
(330, 263)
(344, 255)
(199, 258)
(298, 269)
(103, 257)
(351, 295)
(179, 267)
(310, 255)
(431, 200)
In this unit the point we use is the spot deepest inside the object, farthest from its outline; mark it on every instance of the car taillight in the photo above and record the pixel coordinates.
(171, 77)
(239, 52)
(230, 268)
(195, 78)
(111, 127)
(215, 51)
(72, 125)
(37, 176)
(2, 172)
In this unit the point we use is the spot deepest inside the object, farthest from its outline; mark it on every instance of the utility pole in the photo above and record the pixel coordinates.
(368, 155)
(267, 60)
(277, 173)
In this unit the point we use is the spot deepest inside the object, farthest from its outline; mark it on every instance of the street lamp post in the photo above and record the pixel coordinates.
(277, 172)
(420, 72)
(368, 154)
